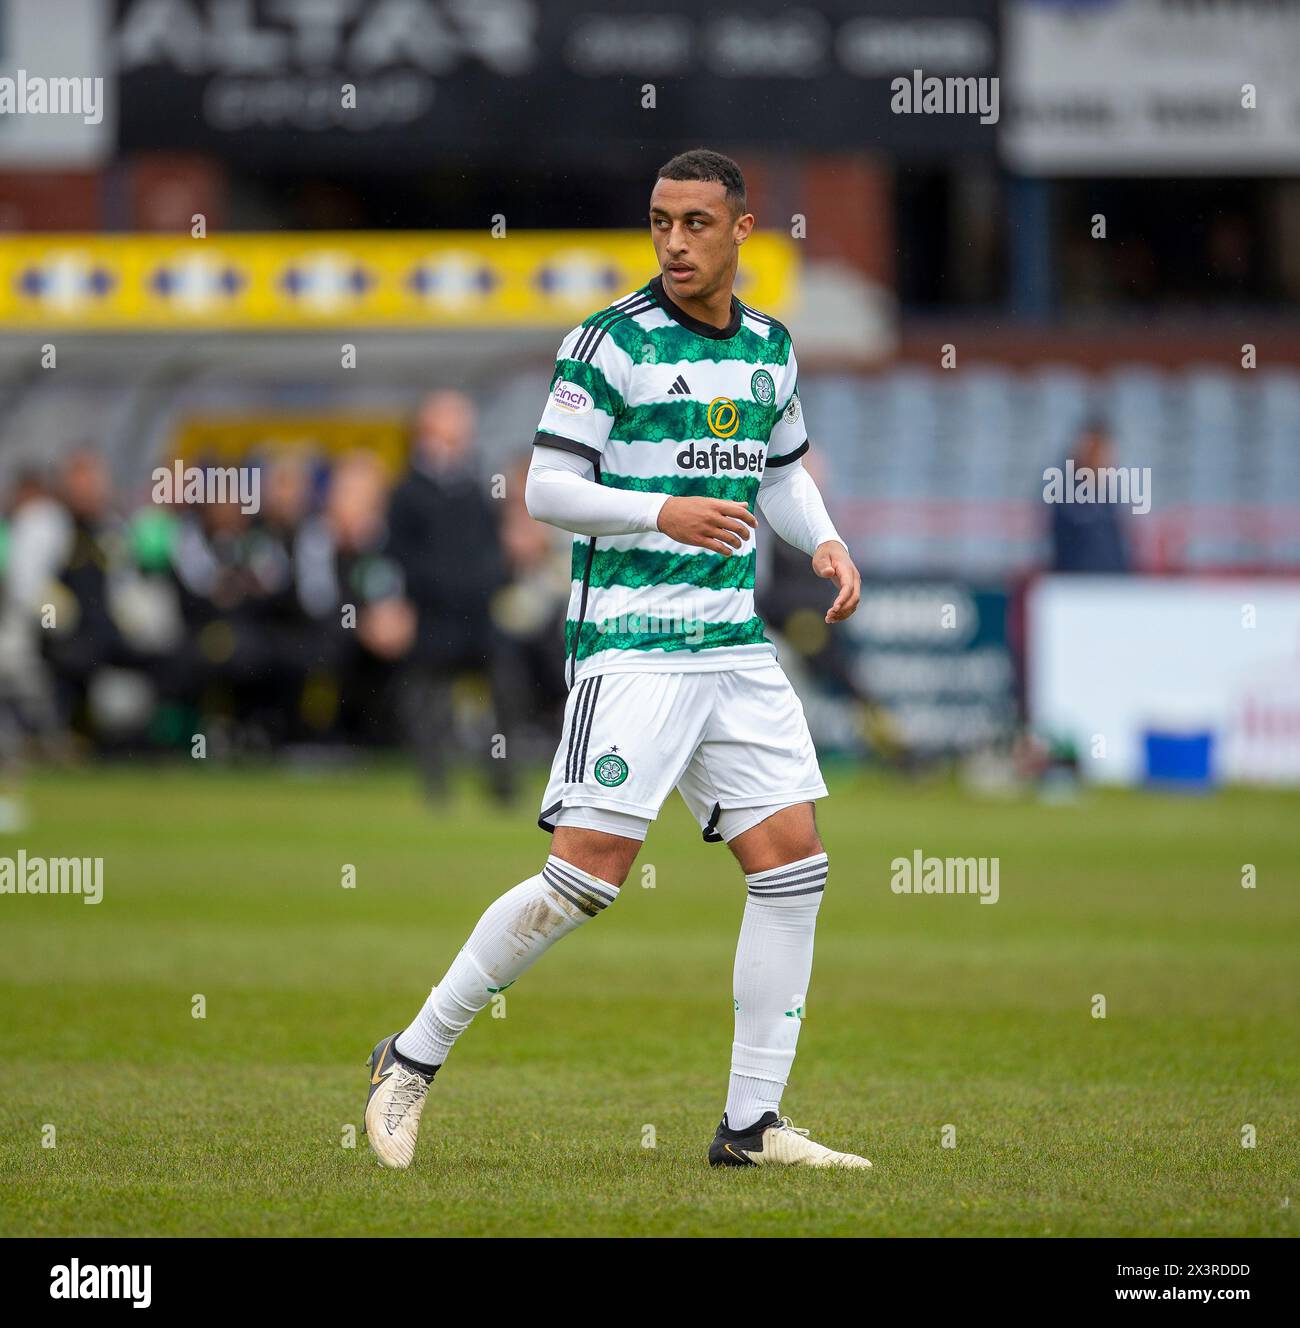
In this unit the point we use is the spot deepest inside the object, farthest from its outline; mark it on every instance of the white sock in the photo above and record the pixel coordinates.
(749, 1100)
(509, 938)
(773, 965)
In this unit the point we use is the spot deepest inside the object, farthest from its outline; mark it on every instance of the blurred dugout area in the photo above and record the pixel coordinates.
(166, 621)
(934, 476)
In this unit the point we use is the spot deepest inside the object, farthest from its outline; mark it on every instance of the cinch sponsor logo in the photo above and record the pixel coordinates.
(94, 1281)
(569, 396)
(715, 459)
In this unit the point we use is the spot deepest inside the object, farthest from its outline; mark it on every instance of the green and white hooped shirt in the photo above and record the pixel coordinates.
(661, 402)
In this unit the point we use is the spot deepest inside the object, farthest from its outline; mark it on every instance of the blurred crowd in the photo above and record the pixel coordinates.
(353, 608)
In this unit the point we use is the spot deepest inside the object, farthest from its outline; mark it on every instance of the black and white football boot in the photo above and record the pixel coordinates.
(398, 1088)
(774, 1141)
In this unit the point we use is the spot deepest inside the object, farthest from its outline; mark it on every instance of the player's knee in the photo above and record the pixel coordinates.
(812, 865)
(805, 844)
(609, 858)
(788, 836)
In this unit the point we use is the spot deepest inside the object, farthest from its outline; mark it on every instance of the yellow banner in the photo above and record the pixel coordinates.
(333, 279)
(221, 439)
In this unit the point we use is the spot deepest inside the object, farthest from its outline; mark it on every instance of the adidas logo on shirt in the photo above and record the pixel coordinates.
(679, 388)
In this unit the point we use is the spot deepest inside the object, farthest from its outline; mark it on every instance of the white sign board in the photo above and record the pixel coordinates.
(1129, 86)
(57, 88)
(1116, 657)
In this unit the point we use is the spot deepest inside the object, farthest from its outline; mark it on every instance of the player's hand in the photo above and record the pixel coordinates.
(832, 561)
(708, 523)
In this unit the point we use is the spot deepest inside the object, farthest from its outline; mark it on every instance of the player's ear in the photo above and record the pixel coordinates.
(743, 225)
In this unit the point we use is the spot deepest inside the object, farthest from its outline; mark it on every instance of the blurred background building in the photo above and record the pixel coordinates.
(341, 243)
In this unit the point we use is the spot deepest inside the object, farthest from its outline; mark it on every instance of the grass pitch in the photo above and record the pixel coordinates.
(924, 1012)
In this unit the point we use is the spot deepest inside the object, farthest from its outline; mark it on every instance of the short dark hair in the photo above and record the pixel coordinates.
(711, 167)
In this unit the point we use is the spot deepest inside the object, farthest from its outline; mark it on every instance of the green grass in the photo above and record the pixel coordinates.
(923, 1012)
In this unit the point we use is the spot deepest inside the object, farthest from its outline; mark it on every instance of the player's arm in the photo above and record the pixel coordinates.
(792, 503)
(789, 498)
(563, 487)
(562, 491)
(586, 398)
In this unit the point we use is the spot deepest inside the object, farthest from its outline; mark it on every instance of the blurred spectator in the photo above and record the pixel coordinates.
(34, 546)
(286, 501)
(445, 536)
(1086, 537)
(354, 591)
(246, 648)
(84, 636)
(530, 611)
(358, 622)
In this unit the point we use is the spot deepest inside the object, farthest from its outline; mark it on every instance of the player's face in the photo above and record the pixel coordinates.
(695, 236)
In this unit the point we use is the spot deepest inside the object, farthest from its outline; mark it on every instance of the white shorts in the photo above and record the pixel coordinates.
(729, 741)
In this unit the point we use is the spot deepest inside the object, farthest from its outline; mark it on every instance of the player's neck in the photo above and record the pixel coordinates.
(714, 308)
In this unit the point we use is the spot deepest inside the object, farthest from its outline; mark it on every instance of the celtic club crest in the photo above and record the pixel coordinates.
(610, 770)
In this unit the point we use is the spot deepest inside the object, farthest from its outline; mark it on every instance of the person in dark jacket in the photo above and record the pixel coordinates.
(86, 636)
(444, 532)
(1087, 537)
